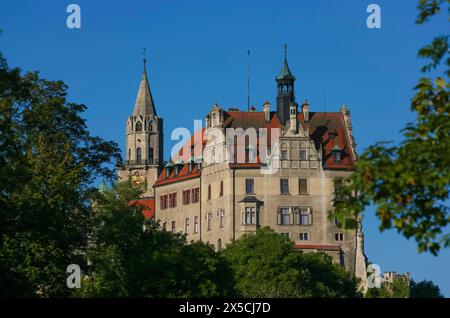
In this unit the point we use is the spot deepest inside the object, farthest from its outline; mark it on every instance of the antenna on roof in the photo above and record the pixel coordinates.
(248, 80)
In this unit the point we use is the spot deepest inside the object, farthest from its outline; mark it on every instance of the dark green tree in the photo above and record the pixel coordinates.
(409, 183)
(399, 288)
(133, 257)
(48, 162)
(425, 289)
(265, 264)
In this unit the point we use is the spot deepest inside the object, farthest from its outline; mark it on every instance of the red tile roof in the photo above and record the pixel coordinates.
(320, 127)
(148, 207)
(183, 174)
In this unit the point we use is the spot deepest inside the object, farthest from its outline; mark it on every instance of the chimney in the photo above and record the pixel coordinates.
(293, 120)
(266, 110)
(305, 110)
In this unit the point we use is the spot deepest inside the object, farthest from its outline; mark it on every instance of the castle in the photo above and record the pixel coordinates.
(278, 172)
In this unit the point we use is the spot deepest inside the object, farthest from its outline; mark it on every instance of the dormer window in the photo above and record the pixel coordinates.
(337, 156)
(167, 167)
(336, 153)
(191, 164)
(178, 165)
(199, 162)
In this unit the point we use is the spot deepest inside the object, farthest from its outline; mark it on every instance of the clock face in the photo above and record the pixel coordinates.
(136, 180)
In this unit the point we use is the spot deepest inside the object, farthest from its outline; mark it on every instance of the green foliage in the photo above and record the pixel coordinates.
(409, 183)
(399, 288)
(425, 289)
(131, 257)
(265, 264)
(48, 161)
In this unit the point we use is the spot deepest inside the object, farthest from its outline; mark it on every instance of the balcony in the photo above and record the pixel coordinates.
(146, 162)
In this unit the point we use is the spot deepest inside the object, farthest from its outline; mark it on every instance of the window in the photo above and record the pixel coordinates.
(150, 154)
(195, 224)
(284, 186)
(209, 192)
(195, 195)
(186, 197)
(172, 200)
(219, 245)
(284, 216)
(163, 202)
(186, 226)
(304, 216)
(221, 217)
(221, 189)
(173, 227)
(249, 186)
(250, 216)
(303, 186)
(250, 154)
(138, 126)
(209, 221)
(337, 223)
(303, 154)
(284, 155)
(339, 237)
(337, 156)
(129, 154)
(138, 154)
(303, 236)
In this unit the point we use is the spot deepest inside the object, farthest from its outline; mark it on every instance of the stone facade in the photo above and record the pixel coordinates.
(278, 172)
(144, 141)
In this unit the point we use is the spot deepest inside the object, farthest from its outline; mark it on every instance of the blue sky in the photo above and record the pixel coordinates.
(197, 55)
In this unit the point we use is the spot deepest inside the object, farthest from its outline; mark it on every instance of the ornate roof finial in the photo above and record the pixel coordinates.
(285, 51)
(144, 55)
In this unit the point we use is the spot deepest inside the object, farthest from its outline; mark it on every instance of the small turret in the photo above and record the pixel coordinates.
(293, 120)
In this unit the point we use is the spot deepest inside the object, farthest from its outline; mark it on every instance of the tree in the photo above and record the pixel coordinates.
(409, 183)
(425, 289)
(265, 264)
(399, 288)
(48, 162)
(133, 257)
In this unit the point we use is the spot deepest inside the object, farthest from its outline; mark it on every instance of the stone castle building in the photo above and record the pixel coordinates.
(278, 172)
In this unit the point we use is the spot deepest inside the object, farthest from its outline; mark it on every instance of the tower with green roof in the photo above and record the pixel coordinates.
(285, 94)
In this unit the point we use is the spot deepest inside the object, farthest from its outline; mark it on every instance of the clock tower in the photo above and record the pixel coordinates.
(144, 140)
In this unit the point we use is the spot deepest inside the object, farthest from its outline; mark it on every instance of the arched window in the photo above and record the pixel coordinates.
(138, 154)
(150, 126)
(138, 126)
(129, 154)
(150, 154)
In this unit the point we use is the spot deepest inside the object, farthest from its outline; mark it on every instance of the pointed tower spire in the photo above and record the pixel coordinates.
(144, 102)
(285, 72)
